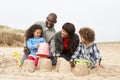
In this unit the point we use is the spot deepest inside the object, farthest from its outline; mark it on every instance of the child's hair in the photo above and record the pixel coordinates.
(88, 34)
(31, 30)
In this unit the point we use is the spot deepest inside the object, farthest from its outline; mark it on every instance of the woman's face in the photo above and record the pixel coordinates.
(37, 33)
(64, 34)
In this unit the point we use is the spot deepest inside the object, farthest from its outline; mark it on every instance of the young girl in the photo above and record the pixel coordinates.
(34, 38)
(87, 49)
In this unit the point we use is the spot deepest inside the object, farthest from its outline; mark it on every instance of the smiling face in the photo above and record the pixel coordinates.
(37, 33)
(50, 21)
(64, 34)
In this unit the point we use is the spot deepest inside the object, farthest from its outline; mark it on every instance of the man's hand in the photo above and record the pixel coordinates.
(26, 50)
(56, 57)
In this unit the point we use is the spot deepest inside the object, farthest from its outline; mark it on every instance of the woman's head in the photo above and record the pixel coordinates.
(68, 30)
(87, 35)
(34, 31)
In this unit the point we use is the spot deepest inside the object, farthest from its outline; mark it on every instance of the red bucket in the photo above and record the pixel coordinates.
(43, 50)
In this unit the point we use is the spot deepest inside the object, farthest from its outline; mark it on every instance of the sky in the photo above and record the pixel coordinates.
(103, 16)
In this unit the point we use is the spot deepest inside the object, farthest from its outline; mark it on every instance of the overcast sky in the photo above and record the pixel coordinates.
(103, 16)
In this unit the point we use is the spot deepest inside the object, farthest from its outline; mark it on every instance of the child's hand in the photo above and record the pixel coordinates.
(97, 66)
(37, 46)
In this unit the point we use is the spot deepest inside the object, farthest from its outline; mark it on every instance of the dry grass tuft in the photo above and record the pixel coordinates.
(11, 37)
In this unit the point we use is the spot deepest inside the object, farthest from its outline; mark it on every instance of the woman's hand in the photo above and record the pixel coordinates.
(72, 64)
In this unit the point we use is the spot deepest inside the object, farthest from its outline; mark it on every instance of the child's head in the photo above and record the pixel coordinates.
(87, 35)
(34, 31)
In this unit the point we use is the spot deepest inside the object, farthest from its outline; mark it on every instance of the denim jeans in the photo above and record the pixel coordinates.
(25, 56)
(65, 56)
(54, 61)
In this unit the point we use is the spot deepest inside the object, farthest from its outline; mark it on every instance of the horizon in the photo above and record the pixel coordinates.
(102, 16)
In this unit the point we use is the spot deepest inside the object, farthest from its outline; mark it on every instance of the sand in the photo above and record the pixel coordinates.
(110, 70)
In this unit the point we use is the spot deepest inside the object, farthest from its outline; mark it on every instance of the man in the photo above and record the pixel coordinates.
(48, 33)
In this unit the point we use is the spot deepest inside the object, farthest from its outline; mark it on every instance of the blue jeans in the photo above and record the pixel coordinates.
(54, 61)
(25, 56)
(65, 56)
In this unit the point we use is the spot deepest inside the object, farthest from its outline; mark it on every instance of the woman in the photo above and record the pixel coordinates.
(66, 41)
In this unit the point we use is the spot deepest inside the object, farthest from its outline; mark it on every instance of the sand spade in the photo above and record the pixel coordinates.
(15, 54)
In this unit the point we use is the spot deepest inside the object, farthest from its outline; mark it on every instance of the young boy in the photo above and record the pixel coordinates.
(87, 49)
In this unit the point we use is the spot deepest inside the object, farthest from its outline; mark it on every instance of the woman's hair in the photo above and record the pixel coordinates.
(31, 30)
(70, 29)
(88, 34)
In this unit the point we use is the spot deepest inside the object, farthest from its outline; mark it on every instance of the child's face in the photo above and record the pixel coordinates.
(37, 33)
(64, 34)
(83, 40)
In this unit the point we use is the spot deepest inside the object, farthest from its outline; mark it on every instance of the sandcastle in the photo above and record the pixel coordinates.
(44, 65)
(81, 69)
(63, 66)
(28, 66)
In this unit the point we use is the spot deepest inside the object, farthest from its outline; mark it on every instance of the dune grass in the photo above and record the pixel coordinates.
(11, 37)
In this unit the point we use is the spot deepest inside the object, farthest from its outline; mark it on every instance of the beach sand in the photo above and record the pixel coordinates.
(110, 70)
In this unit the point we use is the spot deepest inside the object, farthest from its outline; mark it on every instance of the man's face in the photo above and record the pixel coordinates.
(50, 21)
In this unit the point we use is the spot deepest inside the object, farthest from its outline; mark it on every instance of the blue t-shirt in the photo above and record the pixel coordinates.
(32, 43)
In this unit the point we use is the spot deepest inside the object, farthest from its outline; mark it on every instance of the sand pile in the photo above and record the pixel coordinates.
(63, 66)
(28, 66)
(110, 60)
(81, 69)
(44, 65)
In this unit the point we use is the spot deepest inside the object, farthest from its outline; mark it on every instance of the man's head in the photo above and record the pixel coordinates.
(51, 20)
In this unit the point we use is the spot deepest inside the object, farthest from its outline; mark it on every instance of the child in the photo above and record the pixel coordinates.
(34, 38)
(87, 49)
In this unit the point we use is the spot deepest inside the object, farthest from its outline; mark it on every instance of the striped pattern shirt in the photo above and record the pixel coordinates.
(90, 53)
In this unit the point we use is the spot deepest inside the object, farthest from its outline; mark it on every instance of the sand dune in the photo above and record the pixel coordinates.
(110, 70)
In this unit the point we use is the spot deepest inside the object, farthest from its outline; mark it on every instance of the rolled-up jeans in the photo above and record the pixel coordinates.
(25, 56)
(52, 59)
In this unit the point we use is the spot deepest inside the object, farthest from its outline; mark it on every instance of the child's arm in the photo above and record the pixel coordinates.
(44, 40)
(97, 55)
(76, 53)
(30, 45)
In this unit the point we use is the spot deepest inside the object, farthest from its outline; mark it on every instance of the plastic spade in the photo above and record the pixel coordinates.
(17, 58)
